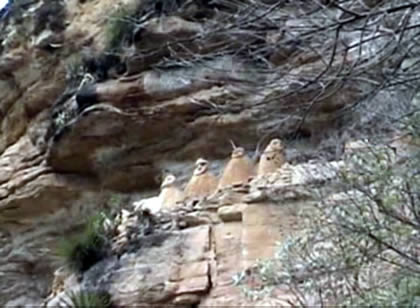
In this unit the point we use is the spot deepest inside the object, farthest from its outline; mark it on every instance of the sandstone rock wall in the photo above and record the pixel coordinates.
(194, 252)
(68, 144)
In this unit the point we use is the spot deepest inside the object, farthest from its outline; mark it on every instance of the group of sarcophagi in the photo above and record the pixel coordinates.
(239, 170)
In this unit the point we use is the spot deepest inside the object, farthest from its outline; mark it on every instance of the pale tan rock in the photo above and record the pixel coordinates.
(191, 270)
(198, 218)
(405, 145)
(64, 280)
(180, 266)
(356, 146)
(60, 275)
(187, 299)
(228, 196)
(314, 172)
(231, 213)
(259, 236)
(227, 241)
(171, 26)
(258, 195)
(153, 205)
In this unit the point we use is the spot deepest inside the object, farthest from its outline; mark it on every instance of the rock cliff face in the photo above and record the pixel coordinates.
(79, 126)
(192, 254)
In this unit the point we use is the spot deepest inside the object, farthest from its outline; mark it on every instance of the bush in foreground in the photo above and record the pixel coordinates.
(81, 251)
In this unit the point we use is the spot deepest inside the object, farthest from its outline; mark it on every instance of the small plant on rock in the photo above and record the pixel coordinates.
(119, 28)
(90, 299)
(81, 251)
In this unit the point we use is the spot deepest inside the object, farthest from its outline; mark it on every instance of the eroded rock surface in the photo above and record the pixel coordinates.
(191, 254)
(73, 134)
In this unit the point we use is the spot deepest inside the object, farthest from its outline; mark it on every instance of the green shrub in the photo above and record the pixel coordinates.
(403, 292)
(119, 28)
(90, 299)
(359, 248)
(81, 251)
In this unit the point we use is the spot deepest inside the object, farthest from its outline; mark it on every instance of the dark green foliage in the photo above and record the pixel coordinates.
(359, 248)
(119, 29)
(404, 292)
(81, 251)
(124, 21)
(90, 299)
